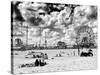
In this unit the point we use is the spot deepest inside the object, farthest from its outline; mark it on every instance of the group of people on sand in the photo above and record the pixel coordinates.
(88, 53)
(40, 62)
(42, 55)
(40, 59)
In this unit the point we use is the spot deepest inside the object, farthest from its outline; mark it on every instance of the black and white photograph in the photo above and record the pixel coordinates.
(53, 37)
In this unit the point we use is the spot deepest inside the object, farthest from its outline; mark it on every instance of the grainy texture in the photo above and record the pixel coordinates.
(51, 37)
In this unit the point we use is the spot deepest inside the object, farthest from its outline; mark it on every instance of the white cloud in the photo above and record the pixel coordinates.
(34, 32)
(57, 20)
(45, 32)
(46, 20)
(54, 33)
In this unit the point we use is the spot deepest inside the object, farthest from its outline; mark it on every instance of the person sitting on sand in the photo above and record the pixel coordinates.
(41, 62)
(45, 56)
(37, 62)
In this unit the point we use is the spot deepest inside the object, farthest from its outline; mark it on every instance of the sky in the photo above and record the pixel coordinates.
(55, 22)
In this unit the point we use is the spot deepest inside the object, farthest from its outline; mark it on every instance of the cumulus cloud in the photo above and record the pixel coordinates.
(45, 32)
(29, 9)
(54, 33)
(46, 20)
(57, 25)
(34, 32)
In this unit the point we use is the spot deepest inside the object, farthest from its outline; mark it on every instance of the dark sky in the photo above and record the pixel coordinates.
(14, 8)
(49, 8)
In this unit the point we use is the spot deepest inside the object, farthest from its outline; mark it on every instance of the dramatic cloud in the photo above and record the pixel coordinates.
(56, 22)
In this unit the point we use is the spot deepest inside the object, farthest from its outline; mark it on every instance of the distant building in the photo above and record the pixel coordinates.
(18, 38)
